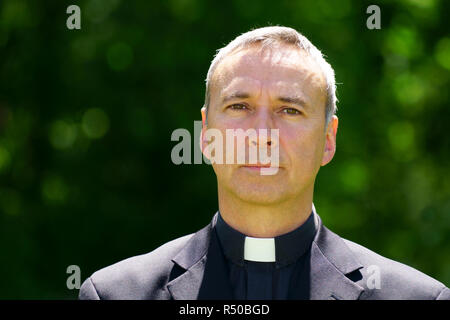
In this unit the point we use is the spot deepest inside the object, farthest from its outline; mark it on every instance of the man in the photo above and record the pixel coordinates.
(266, 241)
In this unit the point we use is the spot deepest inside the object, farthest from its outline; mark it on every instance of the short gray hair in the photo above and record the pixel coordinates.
(268, 37)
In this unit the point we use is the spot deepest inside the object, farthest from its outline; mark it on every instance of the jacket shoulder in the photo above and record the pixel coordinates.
(384, 278)
(139, 277)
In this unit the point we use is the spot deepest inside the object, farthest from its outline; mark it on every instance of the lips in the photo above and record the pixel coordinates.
(257, 166)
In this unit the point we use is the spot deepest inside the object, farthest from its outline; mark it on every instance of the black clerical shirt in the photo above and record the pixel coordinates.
(252, 280)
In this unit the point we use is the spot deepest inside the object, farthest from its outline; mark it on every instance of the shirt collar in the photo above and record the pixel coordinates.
(288, 247)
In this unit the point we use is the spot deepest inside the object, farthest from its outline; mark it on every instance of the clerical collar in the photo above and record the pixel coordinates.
(283, 249)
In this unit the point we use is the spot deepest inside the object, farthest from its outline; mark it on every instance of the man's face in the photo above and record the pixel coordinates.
(272, 89)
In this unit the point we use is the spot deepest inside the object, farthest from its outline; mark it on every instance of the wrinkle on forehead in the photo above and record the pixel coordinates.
(286, 67)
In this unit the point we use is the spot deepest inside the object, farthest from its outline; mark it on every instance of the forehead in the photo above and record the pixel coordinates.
(283, 69)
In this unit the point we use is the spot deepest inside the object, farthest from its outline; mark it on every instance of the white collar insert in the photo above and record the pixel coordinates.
(259, 249)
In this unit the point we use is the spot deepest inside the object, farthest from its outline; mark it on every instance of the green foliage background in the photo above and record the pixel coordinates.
(86, 118)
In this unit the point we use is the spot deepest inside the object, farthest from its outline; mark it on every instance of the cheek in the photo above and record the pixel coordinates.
(303, 147)
(236, 143)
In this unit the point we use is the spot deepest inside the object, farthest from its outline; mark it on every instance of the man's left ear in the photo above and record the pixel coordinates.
(330, 140)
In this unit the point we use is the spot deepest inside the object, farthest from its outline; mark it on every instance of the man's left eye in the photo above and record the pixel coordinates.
(291, 111)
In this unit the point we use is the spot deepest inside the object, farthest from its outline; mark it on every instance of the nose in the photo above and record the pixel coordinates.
(265, 136)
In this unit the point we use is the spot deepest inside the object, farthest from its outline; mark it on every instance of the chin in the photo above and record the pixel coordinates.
(254, 188)
(259, 194)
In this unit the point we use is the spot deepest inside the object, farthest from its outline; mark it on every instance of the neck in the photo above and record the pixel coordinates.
(264, 221)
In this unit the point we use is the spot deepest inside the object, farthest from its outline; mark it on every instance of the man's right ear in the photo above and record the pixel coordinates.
(203, 112)
(202, 142)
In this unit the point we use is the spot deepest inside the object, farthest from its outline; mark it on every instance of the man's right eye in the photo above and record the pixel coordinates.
(237, 106)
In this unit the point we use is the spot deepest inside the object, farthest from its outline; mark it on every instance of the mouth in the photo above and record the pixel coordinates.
(258, 166)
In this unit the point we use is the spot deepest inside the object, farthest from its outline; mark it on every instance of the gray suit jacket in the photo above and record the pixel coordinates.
(193, 267)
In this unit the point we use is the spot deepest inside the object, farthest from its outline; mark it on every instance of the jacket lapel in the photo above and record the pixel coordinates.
(206, 275)
(329, 282)
(331, 263)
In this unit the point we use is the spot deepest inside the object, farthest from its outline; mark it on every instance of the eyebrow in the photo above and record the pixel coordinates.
(297, 100)
(294, 100)
(236, 95)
